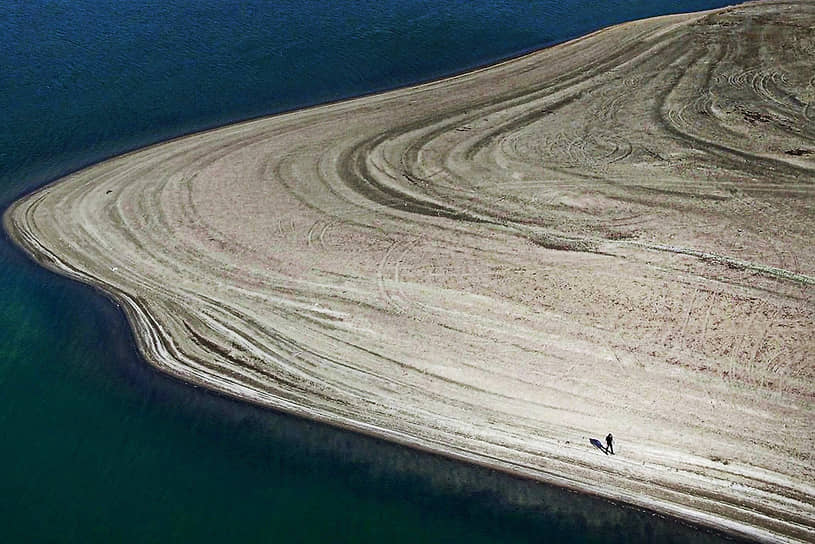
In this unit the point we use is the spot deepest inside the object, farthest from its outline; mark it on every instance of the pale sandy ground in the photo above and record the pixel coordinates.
(614, 234)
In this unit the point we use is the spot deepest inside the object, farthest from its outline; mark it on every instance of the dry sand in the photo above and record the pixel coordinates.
(614, 234)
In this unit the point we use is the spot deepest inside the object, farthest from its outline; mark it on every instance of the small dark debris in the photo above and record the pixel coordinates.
(108, 191)
(799, 152)
(756, 117)
(619, 235)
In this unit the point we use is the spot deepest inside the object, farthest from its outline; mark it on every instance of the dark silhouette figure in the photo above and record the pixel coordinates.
(610, 444)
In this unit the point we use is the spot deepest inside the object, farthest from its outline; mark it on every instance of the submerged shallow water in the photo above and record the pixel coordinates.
(97, 445)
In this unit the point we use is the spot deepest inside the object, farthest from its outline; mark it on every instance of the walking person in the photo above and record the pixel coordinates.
(610, 444)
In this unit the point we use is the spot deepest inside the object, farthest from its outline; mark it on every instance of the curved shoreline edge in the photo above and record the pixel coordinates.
(161, 346)
(140, 321)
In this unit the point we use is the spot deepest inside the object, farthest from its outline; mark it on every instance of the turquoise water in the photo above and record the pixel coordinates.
(96, 446)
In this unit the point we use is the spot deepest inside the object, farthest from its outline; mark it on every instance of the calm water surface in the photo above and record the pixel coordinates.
(96, 446)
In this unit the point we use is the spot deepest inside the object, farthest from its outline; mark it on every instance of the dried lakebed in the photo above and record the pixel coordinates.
(613, 234)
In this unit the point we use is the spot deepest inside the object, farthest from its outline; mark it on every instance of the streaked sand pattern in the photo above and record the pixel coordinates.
(613, 234)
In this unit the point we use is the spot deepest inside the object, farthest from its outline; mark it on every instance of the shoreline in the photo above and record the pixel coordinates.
(158, 345)
(123, 303)
(263, 116)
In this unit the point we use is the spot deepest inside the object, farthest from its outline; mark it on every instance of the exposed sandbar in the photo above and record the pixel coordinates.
(613, 234)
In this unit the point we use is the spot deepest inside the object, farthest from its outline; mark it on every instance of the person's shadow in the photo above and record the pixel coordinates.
(599, 445)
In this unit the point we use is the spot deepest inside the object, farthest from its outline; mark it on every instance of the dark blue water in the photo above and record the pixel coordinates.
(95, 445)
